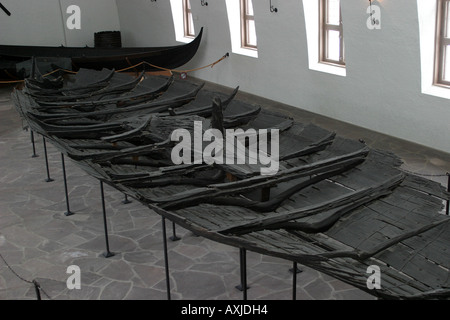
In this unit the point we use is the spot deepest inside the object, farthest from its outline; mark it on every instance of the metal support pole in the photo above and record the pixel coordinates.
(46, 161)
(108, 253)
(126, 201)
(297, 270)
(166, 258)
(5, 10)
(33, 67)
(294, 282)
(34, 146)
(68, 212)
(243, 263)
(448, 189)
(38, 292)
(174, 236)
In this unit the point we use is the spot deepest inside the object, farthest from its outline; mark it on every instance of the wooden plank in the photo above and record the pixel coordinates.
(336, 203)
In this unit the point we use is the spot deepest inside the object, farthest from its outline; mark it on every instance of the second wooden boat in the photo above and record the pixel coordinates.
(169, 57)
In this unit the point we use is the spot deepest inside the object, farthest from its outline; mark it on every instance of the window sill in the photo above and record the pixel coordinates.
(184, 39)
(335, 69)
(437, 91)
(250, 52)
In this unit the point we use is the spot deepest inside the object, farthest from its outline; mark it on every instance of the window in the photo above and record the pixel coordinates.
(313, 18)
(237, 22)
(430, 23)
(331, 41)
(188, 21)
(248, 28)
(442, 63)
(183, 21)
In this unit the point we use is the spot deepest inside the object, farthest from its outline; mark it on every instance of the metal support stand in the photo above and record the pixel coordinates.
(68, 212)
(33, 67)
(294, 282)
(108, 253)
(297, 270)
(46, 161)
(5, 10)
(33, 144)
(126, 201)
(38, 292)
(166, 258)
(243, 262)
(448, 189)
(174, 236)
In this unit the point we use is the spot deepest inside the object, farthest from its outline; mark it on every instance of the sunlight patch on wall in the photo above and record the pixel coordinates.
(234, 22)
(427, 26)
(178, 21)
(311, 9)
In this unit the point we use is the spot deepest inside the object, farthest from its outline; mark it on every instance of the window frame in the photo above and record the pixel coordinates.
(188, 19)
(245, 19)
(442, 20)
(323, 35)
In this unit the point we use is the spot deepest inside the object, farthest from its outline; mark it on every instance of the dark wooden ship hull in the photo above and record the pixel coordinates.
(335, 205)
(170, 57)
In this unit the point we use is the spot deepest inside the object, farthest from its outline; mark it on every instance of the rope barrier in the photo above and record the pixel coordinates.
(175, 70)
(12, 81)
(36, 285)
(131, 67)
(54, 71)
(14, 272)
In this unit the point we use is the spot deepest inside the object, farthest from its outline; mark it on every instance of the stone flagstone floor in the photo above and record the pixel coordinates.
(39, 242)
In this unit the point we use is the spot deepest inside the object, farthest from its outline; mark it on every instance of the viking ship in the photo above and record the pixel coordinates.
(335, 204)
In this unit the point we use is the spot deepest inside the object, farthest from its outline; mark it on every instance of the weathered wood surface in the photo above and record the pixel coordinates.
(335, 204)
(85, 81)
(118, 84)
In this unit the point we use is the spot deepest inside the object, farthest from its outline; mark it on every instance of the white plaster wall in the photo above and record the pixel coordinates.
(31, 23)
(382, 89)
(96, 16)
(43, 22)
(147, 23)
